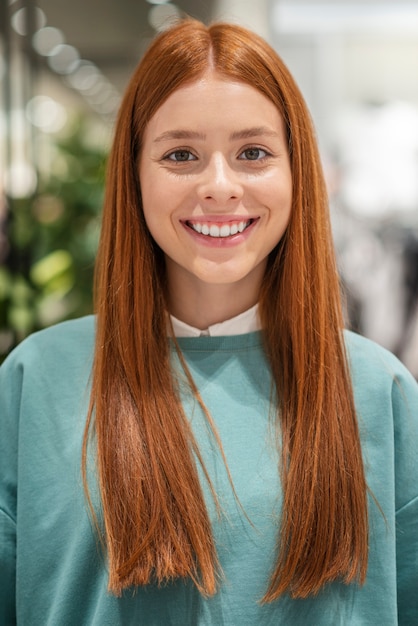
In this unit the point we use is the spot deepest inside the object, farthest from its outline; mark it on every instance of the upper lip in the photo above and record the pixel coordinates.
(218, 219)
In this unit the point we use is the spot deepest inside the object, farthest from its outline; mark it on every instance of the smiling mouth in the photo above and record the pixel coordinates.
(220, 230)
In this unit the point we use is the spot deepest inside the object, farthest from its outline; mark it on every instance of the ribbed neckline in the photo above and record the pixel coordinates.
(224, 343)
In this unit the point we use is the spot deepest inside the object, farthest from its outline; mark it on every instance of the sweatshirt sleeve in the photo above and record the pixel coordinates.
(405, 411)
(10, 392)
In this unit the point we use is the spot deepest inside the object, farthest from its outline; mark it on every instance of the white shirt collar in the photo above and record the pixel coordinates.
(241, 324)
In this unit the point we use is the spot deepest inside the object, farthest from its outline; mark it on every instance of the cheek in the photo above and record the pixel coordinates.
(149, 207)
(153, 195)
(281, 201)
(151, 221)
(158, 192)
(157, 214)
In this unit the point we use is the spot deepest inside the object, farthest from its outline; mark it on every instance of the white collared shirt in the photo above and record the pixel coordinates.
(245, 322)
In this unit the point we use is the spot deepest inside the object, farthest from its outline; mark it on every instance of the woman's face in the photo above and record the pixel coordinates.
(216, 182)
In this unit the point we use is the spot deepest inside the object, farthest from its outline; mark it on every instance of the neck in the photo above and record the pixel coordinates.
(204, 304)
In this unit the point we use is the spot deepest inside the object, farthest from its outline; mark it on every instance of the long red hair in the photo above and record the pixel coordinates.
(156, 525)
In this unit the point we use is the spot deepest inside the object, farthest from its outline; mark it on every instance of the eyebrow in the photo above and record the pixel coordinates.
(246, 133)
(257, 131)
(179, 134)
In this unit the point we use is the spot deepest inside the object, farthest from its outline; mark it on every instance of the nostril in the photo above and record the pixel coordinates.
(223, 197)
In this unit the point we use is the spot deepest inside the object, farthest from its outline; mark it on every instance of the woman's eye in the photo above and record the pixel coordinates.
(253, 154)
(180, 156)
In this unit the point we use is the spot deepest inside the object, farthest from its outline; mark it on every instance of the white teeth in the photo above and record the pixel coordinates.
(226, 230)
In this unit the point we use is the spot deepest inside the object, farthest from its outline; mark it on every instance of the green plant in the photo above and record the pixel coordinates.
(47, 276)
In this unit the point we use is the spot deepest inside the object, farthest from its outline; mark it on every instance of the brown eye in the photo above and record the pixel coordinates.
(180, 155)
(253, 154)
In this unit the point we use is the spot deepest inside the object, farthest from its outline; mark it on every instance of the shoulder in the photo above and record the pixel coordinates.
(386, 398)
(385, 392)
(66, 336)
(62, 335)
(54, 349)
(372, 365)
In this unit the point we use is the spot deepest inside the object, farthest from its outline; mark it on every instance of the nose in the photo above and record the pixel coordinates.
(219, 182)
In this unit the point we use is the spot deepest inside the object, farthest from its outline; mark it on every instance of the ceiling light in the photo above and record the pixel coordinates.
(19, 20)
(162, 16)
(64, 59)
(85, 76)
(46, 39)
(46, 114)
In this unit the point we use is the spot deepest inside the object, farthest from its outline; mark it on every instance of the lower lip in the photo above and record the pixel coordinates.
(221, 242)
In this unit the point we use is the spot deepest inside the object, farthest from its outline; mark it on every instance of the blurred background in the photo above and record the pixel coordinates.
(63, 68)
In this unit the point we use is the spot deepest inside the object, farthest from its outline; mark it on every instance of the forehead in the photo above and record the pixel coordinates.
(215, 99)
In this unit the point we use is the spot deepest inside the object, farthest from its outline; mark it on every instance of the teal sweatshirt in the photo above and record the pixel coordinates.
(52, 570)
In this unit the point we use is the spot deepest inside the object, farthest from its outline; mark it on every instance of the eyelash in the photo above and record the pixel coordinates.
(255, 149)
(168, 157)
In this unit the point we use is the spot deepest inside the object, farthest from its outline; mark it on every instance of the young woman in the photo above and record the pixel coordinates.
(245, 461)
